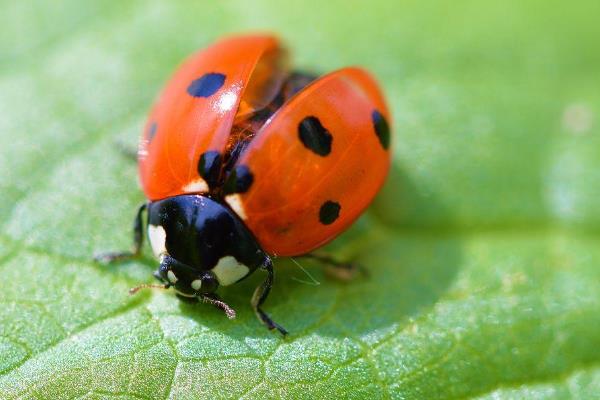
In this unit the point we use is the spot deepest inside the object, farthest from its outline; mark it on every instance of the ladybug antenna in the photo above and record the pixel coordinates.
(134, 290)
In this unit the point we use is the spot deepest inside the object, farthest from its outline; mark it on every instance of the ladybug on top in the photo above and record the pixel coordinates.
(242, 159)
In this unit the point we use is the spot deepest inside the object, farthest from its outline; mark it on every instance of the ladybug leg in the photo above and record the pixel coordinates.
(216, 301)
(343, 271)
(138, 241)
(260, 295)
(127, 152)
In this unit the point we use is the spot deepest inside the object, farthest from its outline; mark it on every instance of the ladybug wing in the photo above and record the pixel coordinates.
(315, 166)
(187, 131)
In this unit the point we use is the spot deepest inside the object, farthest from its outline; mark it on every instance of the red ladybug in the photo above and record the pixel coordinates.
(241, 159)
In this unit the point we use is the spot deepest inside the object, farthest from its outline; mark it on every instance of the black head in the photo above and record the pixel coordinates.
(201, 243)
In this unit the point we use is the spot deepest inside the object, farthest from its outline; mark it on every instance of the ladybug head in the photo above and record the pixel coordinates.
(187, 281)
(201, 244)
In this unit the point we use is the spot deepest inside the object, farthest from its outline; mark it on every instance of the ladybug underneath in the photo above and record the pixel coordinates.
(241, 159)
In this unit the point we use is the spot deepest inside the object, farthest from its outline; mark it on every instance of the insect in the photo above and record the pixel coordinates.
(241, 160)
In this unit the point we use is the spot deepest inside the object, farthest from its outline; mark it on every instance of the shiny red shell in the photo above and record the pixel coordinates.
(311, 168)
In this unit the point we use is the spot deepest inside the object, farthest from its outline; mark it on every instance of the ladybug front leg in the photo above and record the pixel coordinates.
(260, 295)
(138, 241)
(343, 271)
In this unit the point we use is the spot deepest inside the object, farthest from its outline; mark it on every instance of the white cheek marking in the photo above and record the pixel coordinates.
(158, 238)
(172, 278)
(196, 284)
(235, 202)
(198, 185)
(228, 271)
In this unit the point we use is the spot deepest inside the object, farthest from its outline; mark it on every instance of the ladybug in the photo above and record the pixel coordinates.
(242, 160)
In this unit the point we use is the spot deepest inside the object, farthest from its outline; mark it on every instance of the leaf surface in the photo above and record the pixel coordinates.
(483, 248)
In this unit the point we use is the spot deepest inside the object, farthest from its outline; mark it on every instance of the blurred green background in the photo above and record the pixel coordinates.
(483, 248)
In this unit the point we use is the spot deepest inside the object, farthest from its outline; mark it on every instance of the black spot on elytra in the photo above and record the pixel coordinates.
(209, 167)
(239, 181)
(382, 129)
(206, 85)
(314, 136)
(329, 212)
(152, 131)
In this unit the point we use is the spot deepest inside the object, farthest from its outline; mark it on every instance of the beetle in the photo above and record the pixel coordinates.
(241, 160)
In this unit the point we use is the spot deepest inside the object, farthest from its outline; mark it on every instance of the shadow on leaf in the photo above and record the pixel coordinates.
(408, 272)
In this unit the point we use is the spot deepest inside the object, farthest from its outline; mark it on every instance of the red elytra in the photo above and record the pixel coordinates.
(315, 164)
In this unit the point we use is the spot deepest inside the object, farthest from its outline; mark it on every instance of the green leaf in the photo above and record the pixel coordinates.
(483, 249)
